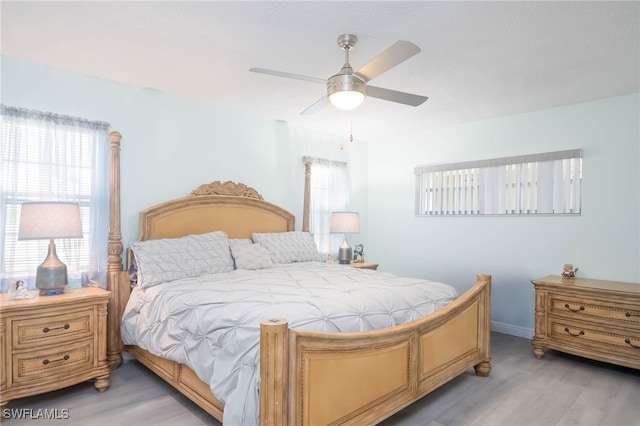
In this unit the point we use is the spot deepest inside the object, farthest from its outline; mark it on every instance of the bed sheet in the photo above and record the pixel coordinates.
(212, 323)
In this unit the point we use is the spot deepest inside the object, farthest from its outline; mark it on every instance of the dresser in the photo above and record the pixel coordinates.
(595, 319)
(51, 342)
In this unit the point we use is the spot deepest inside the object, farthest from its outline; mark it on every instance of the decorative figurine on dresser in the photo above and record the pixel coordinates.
(18, 291)
(595, 319)
(568, 271)
(358, 253)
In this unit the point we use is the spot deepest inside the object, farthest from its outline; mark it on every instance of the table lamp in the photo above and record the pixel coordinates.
(345, 223)
(50, 220)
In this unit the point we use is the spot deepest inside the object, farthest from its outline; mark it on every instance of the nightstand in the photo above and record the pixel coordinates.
(363, 265)
(51, 342)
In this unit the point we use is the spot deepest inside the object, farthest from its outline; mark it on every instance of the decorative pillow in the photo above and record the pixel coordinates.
(288, 247)
(238, 242)
(251, 256)
(170, 259)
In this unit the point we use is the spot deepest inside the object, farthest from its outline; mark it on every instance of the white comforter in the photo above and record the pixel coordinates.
(212, 323)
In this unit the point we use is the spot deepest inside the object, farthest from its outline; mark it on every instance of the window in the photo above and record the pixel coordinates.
(50, 157)
(329, 192)
(548, 183)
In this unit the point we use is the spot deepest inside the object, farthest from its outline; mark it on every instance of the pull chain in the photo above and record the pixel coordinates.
(351, 132)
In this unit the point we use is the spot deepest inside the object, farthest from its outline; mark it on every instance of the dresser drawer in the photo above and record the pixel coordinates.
(601, 338)
(48, 365)
(42, 330)
(584, 307)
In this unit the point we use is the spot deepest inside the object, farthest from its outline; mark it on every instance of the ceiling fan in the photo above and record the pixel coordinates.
(347, 89)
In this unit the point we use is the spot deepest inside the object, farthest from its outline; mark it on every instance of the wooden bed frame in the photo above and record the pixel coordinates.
(307, 378)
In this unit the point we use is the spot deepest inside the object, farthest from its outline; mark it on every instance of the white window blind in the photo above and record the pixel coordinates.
(51, 157)
(547, 183)
(329, 192)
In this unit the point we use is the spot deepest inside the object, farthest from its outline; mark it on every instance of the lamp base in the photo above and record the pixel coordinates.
(51, 277)
(345, 252)
(51, 280)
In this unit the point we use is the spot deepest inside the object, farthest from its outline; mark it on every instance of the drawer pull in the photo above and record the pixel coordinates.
(566, 305)
(64, 358)
(566, 329)
(628, 342)
(632, 314)
(47, 329)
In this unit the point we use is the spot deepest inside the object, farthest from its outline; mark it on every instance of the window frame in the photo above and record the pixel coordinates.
(548, 183)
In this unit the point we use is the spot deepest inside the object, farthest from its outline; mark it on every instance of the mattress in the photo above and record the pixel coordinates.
(211, 323)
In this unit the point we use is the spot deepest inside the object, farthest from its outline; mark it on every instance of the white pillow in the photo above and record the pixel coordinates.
(288, 247)
(170, 259)
(237, 242)
(251, 256)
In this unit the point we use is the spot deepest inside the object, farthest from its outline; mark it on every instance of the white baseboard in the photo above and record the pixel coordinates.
(513, 330)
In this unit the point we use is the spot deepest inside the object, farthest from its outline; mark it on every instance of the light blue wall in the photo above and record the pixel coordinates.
(604, 242)
(171, 145)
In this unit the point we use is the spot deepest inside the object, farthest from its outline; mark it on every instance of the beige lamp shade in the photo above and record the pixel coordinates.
(345, 223)
(49, 220)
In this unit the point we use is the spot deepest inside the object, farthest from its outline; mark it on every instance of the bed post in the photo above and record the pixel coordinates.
(114, 270)
(274, 372)
(484, 322)
(307, 196)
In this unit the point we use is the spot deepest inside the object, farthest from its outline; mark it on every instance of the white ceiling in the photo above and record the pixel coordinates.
(478, 59)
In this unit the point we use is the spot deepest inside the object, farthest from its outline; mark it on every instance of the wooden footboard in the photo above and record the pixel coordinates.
(310, 378)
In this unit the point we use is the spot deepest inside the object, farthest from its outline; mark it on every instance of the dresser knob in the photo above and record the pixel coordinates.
(566, 305)
(64, 358)
(628, 342)
(566, 329)
(47, 329)
(632, 314)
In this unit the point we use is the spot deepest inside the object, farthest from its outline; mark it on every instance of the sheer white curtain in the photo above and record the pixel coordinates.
(51, 157)
(329, 192)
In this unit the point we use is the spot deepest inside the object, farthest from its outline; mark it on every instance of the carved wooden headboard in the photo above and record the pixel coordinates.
(231, 207)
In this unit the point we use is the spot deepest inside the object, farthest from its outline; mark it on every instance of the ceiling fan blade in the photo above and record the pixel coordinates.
(399, 52)
(395, 96)
(316, 106)
(288, 75)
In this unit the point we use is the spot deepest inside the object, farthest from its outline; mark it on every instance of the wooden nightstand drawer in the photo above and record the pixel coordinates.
(43, 330)
(46, 365)
(595, 337)
(567, 305)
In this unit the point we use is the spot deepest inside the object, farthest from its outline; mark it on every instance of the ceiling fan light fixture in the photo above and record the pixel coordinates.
(346, 91)
(347, 100)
